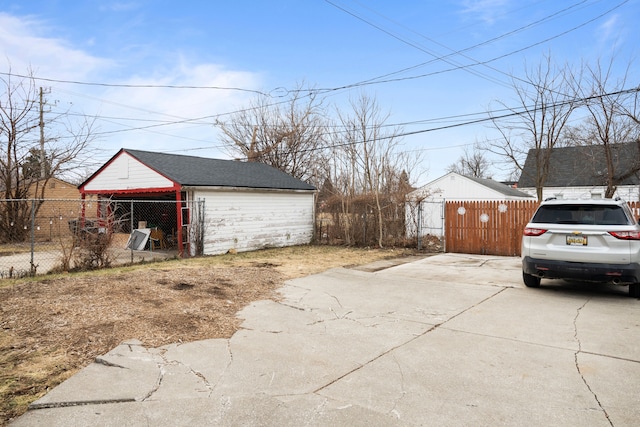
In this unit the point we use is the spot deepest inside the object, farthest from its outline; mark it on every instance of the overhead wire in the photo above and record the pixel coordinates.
(460, 52)
(507, 114)
(375, 80)
(132, 85)
(378, 80)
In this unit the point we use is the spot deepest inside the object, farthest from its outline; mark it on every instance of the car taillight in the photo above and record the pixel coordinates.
(626, 235)
(528, 231)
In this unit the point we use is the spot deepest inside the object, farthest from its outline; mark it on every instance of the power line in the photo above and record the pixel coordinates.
(202, 120)
(134, 86)
(489, 116)
(511, 113)
(377, 80)
(486, 42)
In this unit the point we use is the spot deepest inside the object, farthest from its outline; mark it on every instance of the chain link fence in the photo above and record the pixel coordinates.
(425, 224)
(39, 236)
(369, 221)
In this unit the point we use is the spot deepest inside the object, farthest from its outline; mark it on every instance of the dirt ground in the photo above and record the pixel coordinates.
(54, 325)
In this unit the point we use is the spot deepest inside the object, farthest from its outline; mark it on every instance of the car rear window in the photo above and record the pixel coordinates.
(581, 214)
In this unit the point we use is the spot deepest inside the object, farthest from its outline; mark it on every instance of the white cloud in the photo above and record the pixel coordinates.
(166, 104)
(485, 10)
(609, 31)
(25, 43)
(120, 6)
(24, 46)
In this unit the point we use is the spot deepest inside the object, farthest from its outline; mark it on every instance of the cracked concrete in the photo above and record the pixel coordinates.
(450, 339)
(578, 368)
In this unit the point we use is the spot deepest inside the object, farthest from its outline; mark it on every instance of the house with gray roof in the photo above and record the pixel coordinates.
(244, 206)
(454, 186)
(581, 172)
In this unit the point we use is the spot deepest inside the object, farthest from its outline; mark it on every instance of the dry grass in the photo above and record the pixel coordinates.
(52, 326)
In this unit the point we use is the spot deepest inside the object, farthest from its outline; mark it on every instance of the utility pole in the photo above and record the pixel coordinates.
(43, 170)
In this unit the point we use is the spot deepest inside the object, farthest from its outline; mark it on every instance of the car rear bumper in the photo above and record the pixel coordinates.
(551, 269)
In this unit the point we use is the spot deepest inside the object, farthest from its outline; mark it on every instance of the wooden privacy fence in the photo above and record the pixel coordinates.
(491, 227)
(487, 227)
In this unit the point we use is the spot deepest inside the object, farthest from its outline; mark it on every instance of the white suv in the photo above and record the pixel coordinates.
(591, 240)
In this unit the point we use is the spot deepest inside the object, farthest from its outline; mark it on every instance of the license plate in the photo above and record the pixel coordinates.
(577, 240)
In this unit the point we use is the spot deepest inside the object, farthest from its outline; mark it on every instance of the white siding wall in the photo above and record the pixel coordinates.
(126, 173)
(629, 193)
(249, 220)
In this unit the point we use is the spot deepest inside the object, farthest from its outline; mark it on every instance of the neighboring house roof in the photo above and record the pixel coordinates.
(471, 188)
(194, 171)
(582, 166)
(499, 187)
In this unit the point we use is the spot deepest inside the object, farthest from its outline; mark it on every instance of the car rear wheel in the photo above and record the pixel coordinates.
(634, 290)
(531, 281)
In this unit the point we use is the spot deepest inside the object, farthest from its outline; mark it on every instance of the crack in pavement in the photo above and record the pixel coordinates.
(575, 356)
(157, 385)
(291, 306)
(35, 406)
(226, 368)
(335, 298)
(415, 337)
(362, 365)
(99, 360)
(336, 314)
(204, 380)
(403, 393)
(304, 295)
(202, 377)
(317, 412)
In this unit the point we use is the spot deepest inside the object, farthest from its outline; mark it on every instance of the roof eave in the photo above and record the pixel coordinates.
(253, 189)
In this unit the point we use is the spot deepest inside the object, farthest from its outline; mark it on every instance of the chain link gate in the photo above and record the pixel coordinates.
(425, 222)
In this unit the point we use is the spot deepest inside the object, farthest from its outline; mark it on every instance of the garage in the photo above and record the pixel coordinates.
(202, 205)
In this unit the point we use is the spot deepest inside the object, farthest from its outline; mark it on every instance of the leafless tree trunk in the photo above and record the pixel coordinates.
(545, 103)
(343, 170)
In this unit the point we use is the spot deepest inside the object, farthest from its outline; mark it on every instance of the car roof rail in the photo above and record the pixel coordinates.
(550, 198)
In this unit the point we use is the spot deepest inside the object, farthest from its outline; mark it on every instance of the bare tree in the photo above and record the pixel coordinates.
(368, 163)
(471, 163)
(610, 125)
(344, 158)
(288, 135)
(545, 103)
(30, 153)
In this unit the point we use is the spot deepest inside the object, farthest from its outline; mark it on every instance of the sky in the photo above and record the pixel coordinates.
(157, 74)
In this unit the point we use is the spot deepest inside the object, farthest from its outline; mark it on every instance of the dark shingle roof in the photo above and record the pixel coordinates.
(202, 172)
(498, 186)
(582, 166)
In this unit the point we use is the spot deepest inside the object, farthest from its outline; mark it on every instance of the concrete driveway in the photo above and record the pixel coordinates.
(447, 340)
